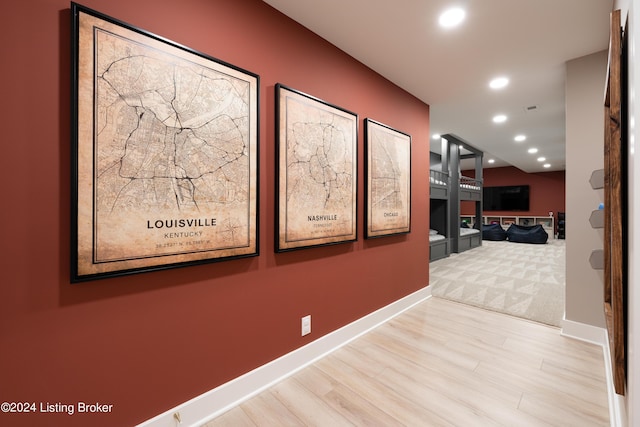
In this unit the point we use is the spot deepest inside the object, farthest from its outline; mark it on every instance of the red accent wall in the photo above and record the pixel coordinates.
(147, 342)
(546, 192)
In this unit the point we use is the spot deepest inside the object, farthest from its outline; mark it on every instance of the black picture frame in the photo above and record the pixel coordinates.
(165, 145)
(316, 172)
(387, 180)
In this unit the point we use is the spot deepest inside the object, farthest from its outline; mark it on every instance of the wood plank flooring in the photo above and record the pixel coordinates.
(442, 363)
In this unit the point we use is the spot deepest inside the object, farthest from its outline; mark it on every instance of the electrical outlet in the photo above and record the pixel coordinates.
(306, 325)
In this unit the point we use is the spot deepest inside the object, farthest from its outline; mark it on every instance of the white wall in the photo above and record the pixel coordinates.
(631, 12)
(584, 153)
(633, 333)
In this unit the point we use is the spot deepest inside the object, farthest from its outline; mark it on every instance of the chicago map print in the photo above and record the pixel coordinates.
(388, 189)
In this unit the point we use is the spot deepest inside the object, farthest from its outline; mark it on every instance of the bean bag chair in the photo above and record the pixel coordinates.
(527, 234)
(493, 232)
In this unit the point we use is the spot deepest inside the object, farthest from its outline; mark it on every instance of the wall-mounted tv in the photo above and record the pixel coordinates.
(506, 198)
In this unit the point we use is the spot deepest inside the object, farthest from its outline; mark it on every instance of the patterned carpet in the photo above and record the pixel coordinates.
(520, 279)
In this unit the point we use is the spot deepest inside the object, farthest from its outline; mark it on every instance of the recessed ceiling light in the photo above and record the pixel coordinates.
(499, 83)
(491, 161)
(436, 136)
(533, 150)
(542, 159)
(500, 118)
(546, 165)
(452, 17)
(520, 138)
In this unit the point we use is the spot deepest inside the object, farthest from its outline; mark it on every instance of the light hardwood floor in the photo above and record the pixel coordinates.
(442, 363)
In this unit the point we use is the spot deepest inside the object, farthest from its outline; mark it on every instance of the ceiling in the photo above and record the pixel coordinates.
(528, 41)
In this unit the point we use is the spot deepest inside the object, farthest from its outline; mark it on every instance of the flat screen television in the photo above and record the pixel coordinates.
(506, 198)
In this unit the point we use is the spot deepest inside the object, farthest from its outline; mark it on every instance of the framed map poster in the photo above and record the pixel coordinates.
(165, 147)
(317, 170)
(388, 180)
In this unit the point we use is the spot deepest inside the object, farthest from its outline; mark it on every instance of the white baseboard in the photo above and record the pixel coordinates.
(584, 332)
(616, 402)
(211, 404)
(599, 336)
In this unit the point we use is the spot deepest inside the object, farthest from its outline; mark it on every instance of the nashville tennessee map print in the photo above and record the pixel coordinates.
(317, 172)
(167, 171)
